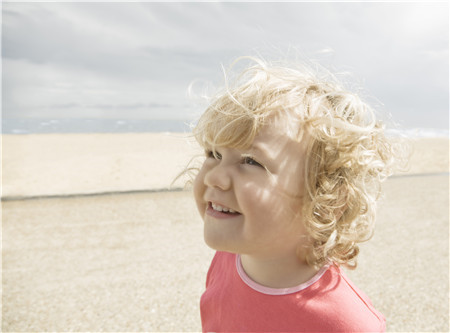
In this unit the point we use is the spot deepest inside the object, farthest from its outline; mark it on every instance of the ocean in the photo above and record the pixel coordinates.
(75, 125)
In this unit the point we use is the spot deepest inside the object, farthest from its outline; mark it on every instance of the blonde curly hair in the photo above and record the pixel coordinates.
(348, 155)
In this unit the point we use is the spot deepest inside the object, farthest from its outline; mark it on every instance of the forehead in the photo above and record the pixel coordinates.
(235, 128)
(277, 140)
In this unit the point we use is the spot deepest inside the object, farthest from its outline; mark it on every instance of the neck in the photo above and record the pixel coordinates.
(284, 272)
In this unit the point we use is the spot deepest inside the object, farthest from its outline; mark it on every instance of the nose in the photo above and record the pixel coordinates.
(218, 176)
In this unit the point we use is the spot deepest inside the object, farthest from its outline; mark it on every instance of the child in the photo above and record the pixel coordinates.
(287, 190)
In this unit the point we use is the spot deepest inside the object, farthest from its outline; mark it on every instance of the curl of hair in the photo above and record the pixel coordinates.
(348, 153)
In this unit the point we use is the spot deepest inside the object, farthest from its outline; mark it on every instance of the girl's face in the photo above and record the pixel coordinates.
(251, 200)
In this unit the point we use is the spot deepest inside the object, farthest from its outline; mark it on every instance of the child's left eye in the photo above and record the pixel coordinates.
(250, 161)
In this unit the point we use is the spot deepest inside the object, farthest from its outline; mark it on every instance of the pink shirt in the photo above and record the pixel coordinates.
(328, 302)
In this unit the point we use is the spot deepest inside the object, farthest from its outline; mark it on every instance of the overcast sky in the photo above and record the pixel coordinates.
(136, 60)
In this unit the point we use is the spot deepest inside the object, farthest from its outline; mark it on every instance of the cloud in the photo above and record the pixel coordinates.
(87, 55)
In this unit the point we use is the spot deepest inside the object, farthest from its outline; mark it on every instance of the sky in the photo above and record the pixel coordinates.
(119, 60)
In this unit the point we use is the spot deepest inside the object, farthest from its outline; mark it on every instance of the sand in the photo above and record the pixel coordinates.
(137, 262)
(133, 262)
(55, 164)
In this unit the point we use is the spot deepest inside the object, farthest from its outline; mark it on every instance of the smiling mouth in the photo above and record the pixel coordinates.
(217, 210)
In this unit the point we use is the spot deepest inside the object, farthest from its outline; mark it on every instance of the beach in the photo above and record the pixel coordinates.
(97, 236)
(69, 164)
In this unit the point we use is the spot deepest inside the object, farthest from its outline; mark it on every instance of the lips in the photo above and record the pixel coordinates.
(220, 211)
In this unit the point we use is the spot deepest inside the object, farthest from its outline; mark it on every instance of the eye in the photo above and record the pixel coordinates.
(211, 154)
(250, 161)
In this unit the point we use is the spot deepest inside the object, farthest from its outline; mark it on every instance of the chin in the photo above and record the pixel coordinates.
(216, 242)
(212, 242)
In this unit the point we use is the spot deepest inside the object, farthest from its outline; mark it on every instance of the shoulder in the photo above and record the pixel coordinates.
(344, 304)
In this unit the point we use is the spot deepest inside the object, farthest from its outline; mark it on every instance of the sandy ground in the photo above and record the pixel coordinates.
(55, 164)
(133, 262)
(137, 262)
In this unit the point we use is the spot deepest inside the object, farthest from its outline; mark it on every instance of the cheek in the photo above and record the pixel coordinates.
(271, 205)
(259, 200)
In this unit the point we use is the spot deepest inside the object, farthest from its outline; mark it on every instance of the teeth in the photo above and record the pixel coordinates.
(222, 209)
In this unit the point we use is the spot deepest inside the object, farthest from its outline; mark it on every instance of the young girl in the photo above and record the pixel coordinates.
(287, 190)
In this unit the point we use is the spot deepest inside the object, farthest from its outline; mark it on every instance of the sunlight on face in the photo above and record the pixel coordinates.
(250, 200)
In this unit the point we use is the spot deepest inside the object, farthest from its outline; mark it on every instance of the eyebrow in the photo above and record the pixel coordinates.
(259, 149)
